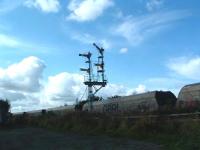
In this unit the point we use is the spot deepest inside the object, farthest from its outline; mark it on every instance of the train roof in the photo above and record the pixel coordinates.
(189, 91)
(47, 109)
(190, 87)
(138, 97)
(60, 108)
(145, 94)
(157, 97)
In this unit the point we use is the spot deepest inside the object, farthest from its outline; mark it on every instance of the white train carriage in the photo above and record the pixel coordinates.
(56, 110)
(62, 109)
(146, 102)
(189, 96)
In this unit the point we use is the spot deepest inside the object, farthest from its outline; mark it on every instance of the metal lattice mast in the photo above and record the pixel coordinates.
(98, 83)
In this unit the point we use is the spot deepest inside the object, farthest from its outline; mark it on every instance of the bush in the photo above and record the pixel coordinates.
(4, 111)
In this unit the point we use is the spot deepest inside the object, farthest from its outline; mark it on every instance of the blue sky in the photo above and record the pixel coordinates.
(150, 45)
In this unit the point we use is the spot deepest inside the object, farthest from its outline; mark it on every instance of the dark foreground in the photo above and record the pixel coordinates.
(41, 139)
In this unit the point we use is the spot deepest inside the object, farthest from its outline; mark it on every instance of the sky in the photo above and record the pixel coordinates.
(149, 45)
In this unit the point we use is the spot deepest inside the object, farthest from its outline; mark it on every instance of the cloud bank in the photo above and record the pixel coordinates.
(23, 76)
(23, 85)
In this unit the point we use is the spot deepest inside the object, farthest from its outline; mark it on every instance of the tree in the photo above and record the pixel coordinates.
(4, 110)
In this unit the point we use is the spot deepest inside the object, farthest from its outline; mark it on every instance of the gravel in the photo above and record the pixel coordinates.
(41, 139)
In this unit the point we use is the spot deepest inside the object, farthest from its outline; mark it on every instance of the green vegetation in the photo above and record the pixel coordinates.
(172, 134)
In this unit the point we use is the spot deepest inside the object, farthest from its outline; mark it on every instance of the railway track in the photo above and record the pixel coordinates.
(177, 116)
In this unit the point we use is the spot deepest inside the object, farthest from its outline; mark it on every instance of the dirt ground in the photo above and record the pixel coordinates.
(41, 139)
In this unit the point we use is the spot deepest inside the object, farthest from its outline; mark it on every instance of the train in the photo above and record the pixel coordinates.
(139, 103)
(188, 100)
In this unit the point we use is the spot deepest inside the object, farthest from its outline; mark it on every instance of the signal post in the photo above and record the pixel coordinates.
(94, 84)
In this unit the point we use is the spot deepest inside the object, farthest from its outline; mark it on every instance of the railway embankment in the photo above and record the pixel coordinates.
(173, 134)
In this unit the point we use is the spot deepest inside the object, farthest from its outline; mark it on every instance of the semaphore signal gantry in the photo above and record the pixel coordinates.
(94, 83)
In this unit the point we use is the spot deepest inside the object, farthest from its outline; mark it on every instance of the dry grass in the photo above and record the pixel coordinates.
(177, 135)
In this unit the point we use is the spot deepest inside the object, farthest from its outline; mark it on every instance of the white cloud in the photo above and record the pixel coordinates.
(88, 9)
(114, 89)
(11, 42)
(23, 76)
(172, 84)
(20, 83)
(137, 29)
(44, 5)
(105, 43)
(152, 5)
(62, 88)
(26, 104)
(186, 67)
(66, 87)
(84, 38)
(140, 89)
(89, 39)
(121, 90)
(123, 50)
(8, 41)
(163, 83)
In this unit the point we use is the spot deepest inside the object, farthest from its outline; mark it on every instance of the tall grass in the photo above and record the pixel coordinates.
(173, 134)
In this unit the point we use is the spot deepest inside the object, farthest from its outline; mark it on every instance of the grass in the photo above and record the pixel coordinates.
(172, 134)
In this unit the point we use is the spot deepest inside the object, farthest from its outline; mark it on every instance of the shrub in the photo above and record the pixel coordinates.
(4, 111)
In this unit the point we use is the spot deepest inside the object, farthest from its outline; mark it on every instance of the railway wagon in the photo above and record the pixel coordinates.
(139, 103)
(56, 110)
(33, 113)
(62, 109)
(189, 97)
